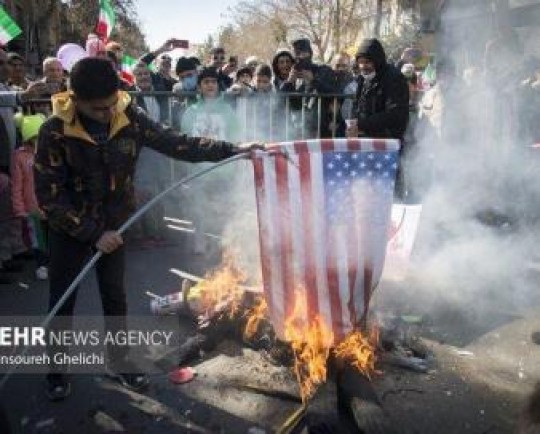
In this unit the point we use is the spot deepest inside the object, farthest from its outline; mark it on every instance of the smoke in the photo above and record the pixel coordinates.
(474, 169)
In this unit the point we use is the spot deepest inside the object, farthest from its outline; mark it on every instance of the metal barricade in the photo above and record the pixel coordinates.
(265, 117)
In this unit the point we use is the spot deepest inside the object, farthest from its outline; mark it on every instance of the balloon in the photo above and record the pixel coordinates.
(69, 54)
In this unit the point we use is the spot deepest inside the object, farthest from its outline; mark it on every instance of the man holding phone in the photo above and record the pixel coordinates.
(224, 69)
(163, 80)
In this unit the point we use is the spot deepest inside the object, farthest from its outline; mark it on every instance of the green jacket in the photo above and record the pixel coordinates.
(211, 118)
(86, 189)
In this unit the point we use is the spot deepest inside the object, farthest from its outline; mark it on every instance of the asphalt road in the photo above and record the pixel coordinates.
(477, 393)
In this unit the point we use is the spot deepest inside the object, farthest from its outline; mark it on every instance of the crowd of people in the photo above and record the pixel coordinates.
(61, 199)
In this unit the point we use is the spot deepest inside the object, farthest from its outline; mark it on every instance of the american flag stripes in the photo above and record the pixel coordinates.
(324, 212)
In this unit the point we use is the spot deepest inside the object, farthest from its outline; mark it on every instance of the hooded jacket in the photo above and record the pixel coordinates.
(84, 188)
(22, 178)
(382, 104)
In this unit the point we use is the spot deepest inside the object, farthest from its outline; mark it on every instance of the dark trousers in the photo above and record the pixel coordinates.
(67, 258)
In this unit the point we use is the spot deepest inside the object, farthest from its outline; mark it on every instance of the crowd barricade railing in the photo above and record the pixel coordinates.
(271, 117)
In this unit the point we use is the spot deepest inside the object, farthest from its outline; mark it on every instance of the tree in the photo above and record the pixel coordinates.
(82, 16)
(203, 51)
(259, 27)
(378, 18)
(329, 25)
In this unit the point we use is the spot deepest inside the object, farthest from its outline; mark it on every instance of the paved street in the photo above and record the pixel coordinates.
(462, 394)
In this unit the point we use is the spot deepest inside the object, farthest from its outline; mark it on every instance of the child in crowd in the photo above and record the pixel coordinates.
(264, 124)
(213, 118)
(262, 81)
(210, 117)
(23, 196)
(11, 243)
(242, 84)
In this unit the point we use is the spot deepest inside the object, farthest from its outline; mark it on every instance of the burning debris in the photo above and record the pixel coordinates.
(226, 307)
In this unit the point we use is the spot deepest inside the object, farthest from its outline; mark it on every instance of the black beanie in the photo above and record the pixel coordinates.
(185, 64)
(302, 45)
(207, 72)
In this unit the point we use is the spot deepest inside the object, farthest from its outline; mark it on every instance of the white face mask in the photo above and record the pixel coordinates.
(369, 76)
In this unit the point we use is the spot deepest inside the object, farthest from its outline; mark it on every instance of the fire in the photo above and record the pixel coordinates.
(311, 346)
(254, 316)
(359, 351)
(221, 290)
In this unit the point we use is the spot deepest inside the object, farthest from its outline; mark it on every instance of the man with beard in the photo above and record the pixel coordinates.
(382, 100)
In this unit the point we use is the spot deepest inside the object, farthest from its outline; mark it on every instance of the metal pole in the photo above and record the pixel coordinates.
(287, 110)
(136, 216)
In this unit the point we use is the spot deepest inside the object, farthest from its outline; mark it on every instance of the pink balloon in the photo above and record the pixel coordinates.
(69, 54)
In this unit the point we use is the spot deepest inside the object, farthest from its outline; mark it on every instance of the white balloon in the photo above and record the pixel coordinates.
(69, 54)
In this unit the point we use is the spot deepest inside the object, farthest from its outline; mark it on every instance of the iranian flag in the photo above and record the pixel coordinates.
(128, 63)
(8, 28)
(106, 20)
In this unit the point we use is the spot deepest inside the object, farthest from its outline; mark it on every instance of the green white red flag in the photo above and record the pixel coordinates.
(107, 19)
(8, 28)
(128, 63)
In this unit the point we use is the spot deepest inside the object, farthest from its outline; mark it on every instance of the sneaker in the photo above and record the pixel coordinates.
(58, 387)
(133, 380)
(42, 273)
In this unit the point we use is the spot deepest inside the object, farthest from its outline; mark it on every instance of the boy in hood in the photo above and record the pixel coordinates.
(84, 170)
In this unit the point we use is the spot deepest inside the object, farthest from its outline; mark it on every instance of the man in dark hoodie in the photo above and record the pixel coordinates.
(382, 100)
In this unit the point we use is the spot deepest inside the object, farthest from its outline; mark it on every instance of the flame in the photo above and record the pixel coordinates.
(221, 291)
(311, 346)
(359, 351)
(254, 316)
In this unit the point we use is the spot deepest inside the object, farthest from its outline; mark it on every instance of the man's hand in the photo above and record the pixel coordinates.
(352, 132)
(229, 68)
(293, 75)
(34, 90)
(308, 76)
(109, 242)
(246, 148)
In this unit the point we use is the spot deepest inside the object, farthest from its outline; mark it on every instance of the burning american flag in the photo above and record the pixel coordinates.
(324, 211)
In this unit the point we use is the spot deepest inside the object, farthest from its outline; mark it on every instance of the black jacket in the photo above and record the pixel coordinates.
(85, 188)
(382, 104)
(159, 82)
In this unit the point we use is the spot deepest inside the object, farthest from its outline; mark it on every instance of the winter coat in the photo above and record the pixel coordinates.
(159, 82)
(84, 188)
(382, 104)
(324, 83)
(23, 194)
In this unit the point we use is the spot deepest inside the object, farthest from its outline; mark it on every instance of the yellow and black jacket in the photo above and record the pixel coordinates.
(86, 189)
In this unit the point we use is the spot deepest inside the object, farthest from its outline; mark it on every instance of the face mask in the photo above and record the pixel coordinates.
(369, 76)
(189, 83)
